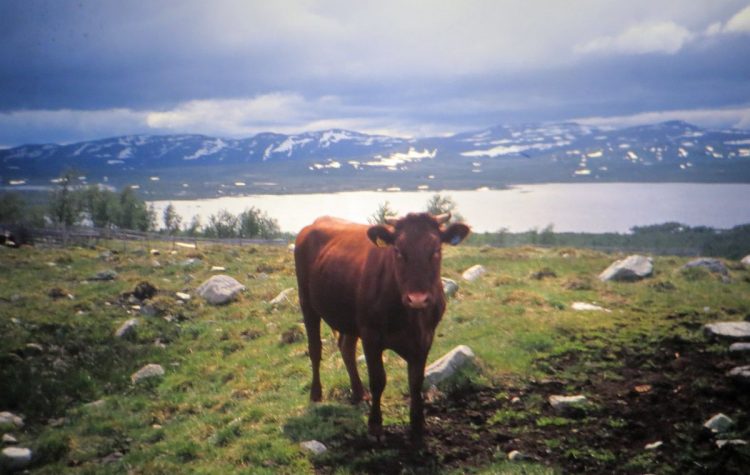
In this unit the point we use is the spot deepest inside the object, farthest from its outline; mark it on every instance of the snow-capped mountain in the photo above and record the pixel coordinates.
(192, 165)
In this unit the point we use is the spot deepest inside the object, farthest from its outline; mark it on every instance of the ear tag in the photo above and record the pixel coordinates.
(380, 243)
(455, 240)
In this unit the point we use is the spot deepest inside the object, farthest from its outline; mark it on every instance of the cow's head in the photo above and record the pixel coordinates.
(415, 245)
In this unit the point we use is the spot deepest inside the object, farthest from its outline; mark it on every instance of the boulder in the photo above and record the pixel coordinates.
(283, 297)
(718, 423)
(147, 372)
(741, 374)
(8, 418)
(746, 261)
(220, 289)
(313, 446)
(738, 330)
(448, 365)
(15, 458)
(473, 273)
(713, 265)
(450, 287)
(127, 330)
(630, 269)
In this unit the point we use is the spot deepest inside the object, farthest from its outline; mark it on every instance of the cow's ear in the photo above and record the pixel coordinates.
(455, 233)
(380, 235)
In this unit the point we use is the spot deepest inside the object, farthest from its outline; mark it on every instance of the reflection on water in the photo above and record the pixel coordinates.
(596, 207)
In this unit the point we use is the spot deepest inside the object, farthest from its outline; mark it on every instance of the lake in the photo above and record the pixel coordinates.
(596, 207)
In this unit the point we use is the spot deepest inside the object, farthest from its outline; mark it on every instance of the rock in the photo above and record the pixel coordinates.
(746, 261)
(15, 458)
(8, 418)
(313, 446)
(718, 423)
(220, 289)
(630, 269)
(112, 458)
(516, 456)
(218, 269)
(739, 347)
(283, 297)
(448, 365)
(98, 404)
(564, 403)
(290, 247)
(33, 349)
(149, 310)
(155, 252)
(740, 374)
(127, 330)
(654, 445)
(450, 287)
(147, 372)
(292, 335)
(738, 330)
(182, 296)
(190, 262)
(9, 439)
(473, 273)
(144, 290)
(588, 307)
(108, 274)
(731, 442)
(713, 265)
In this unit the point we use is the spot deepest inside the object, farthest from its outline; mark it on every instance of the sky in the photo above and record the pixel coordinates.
(82, 70)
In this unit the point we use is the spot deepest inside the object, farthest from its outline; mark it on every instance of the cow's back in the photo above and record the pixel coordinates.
(329, 256)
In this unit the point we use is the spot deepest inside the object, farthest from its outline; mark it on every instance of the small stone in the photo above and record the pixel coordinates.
(517, 456)
(654, 445)
(128, 329)
(718, 423)
(283, 297)
(740, 374)
(218, 269)
(588, 307)
(112, 458)
(155, 263)
(32, 349)
(15, 458)
(448, 365)
(8, 418)
(313, 446)
(155, 252)
(739, 330)
(736, 442)
(182, 296)
(147, 372)
(290, 247)
(108, 274)
(473, 273)
(9, 439)
(98, 404)
(746, 261)
(739, 347)
(515, 400)
(562, 403)
(149, 310)
(450, 287)
(190, 262)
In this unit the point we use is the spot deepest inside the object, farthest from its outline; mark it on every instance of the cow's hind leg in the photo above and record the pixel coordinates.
(314, 347)
(348, 348)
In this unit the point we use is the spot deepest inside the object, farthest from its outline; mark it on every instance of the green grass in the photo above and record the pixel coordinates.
(235, 396)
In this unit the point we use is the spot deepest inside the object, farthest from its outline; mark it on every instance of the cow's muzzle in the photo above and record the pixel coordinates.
(417, 300)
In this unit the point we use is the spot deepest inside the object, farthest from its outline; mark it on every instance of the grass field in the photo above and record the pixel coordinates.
(234, 398)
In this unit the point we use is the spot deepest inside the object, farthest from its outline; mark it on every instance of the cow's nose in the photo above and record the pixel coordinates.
(417, 299)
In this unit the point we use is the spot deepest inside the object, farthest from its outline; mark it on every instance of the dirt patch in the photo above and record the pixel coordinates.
(636, 398)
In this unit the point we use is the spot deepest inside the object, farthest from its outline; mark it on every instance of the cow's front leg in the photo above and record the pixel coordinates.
(376, 371)
(416, 410)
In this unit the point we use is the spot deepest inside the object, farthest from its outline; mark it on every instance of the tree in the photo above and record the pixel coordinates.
(256, 223)
(100, 205)
(440, 204)
(222, 225)
(64, 203)
(172, 220)
(12, 208)
(381, 214)
(194, 227)
(134, 214)
(547, 236)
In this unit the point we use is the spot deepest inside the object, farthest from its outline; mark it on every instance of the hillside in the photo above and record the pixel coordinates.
(234, 394)
(190, 166)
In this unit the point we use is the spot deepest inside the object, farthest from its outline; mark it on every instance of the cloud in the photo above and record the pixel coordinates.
(737, 117)
(740, 22)
(663, 37)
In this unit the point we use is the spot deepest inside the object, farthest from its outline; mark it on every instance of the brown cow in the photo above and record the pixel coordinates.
(378, 283)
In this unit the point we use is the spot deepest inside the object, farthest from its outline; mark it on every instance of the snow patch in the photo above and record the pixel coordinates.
(400, 158)
(210, 147)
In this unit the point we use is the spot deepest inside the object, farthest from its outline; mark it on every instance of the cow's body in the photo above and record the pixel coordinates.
(390, 296)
